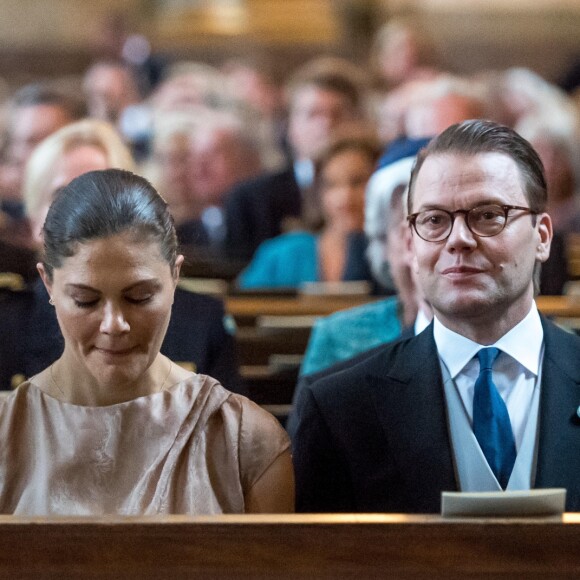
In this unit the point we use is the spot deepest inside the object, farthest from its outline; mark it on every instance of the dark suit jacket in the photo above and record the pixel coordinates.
(255, 210)
(374, 437)
(307, 380)
(30, 338)
(18, 260)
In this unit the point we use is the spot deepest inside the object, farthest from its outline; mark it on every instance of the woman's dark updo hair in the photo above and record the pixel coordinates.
(99, 204)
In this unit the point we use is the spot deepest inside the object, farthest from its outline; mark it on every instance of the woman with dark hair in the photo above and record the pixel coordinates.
(337, 252)
(113, 426)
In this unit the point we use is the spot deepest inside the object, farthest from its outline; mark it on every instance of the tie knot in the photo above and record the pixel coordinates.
(487, 357)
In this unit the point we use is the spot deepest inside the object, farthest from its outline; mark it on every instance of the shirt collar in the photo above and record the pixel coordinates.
(523, 343)
(421, 322)
(304, 173)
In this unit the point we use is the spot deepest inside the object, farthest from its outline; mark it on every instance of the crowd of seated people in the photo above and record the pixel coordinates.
(337, 251)
(275, 183)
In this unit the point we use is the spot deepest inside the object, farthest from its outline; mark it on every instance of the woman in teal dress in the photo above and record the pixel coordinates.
(337, 252)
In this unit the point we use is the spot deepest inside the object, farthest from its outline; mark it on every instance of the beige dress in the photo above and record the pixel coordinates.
(194, 448)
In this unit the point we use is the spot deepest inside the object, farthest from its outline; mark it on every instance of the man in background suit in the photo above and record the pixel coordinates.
(432, 413)
(322, 96)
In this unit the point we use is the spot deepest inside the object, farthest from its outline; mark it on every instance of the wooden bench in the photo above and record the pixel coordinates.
(246, 309)
(293, 547)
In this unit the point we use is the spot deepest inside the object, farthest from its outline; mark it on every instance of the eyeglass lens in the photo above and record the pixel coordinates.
(436, 224)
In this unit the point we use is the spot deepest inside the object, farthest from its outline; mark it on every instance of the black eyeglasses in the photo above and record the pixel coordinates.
(485, 221)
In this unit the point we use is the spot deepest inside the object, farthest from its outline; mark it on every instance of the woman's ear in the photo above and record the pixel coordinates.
(45, 278)
(177, 268)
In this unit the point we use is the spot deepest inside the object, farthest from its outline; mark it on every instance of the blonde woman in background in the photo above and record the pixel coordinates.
(75, 149)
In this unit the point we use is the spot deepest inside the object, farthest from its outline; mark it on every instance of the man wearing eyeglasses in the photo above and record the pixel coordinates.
(487, 397)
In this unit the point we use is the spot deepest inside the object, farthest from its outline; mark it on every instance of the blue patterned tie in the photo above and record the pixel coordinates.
(491, 422)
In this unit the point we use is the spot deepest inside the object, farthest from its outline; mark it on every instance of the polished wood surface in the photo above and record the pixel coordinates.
(295, 546)
(564, 306)
(252, 306)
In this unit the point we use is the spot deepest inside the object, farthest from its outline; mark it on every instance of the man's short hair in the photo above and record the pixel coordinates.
(35, 94)
(331, 74)
(479, 136)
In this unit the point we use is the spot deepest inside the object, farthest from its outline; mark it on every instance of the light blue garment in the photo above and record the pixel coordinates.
(289, 260)
(345, 334)
(284, 261)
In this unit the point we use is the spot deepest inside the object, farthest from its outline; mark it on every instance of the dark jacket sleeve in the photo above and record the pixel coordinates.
(322, 480)
(240, 243)
(201, 336)
(223, 363)
(357, 265)
(13, 307)
(307, 380)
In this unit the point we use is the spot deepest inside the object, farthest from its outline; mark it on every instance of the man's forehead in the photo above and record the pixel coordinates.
(312, 94)
(41, 115)
(451, 176)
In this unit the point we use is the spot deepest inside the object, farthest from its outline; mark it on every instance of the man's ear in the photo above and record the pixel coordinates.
(545, 234)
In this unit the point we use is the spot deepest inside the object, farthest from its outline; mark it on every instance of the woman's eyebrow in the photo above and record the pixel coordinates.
(148, 282)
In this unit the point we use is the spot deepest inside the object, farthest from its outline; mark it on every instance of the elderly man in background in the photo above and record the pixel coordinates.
(221, 154)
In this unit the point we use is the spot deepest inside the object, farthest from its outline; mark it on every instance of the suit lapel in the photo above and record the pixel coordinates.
(410, 404)
(558, 463)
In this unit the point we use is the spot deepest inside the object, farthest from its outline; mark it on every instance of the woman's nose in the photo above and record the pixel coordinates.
(114, 320)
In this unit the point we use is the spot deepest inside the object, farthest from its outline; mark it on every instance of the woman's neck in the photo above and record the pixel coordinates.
(332, 250)
(65, 381)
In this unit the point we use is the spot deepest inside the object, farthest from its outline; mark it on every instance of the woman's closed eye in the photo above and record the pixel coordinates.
(85, 303)
(141, 299)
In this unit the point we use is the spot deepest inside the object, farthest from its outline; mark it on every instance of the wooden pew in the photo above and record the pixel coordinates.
(559, 306)
(293, 547)
(245, 309)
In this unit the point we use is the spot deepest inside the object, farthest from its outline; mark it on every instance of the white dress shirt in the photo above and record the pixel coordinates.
(515, 372)
(422, 321)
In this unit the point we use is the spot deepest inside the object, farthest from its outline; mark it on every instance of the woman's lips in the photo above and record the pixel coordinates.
(115, 352)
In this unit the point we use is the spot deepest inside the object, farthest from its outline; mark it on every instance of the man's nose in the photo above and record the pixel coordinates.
(461, 237)
(114, 320)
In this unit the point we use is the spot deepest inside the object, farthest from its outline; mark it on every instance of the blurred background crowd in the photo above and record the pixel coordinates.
(264, 150)
(240, 143)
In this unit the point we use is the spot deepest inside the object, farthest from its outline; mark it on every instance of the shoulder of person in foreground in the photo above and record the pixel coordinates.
(201, 338)
(337, 432)
(346, 333)
(286, 260)
(561, 345)
(309, 379)
(352, 375)
(265, 460)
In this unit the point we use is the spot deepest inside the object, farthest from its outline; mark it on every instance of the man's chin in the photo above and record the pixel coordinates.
(464, 305)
